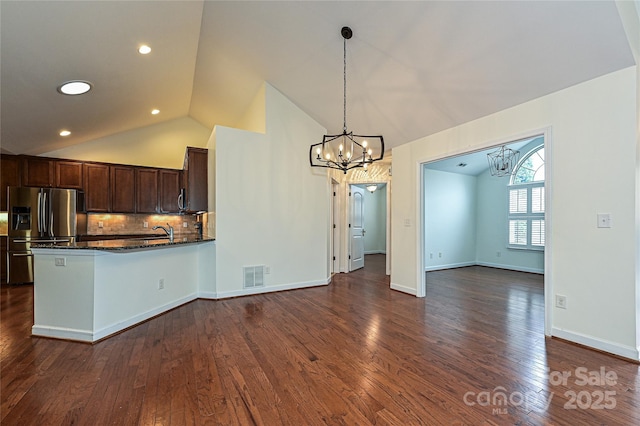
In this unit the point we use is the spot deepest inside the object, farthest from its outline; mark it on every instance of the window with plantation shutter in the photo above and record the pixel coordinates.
(537, 232)
(518, 232)
(518, 201)
(526, 203)
(537, 199)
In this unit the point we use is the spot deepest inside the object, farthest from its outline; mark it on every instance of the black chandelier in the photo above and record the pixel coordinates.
(503, 161)
(346, 151)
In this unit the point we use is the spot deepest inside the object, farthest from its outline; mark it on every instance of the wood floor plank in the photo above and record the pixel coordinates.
(353, 352)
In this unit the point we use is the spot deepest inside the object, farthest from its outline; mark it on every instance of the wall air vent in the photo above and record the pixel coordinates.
(253, 276)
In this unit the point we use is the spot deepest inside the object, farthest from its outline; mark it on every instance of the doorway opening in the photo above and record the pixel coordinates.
(471, 218)
(368, 211)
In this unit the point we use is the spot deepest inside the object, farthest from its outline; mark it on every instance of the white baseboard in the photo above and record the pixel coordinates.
(207, 295)
(449, 266)
(88, 336)
(136, 319)
(511, 267)
(403, 289)
(593, 342)
(270, 289)
(62, 333)
(490, 265)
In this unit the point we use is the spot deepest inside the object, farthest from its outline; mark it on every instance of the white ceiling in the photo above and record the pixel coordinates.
(474, 162)
(414, 68)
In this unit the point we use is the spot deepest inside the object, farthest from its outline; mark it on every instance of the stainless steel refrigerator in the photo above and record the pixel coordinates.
(40, 215)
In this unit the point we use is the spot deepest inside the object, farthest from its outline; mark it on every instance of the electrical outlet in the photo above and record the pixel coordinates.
(430, 255)
(604, 220)
(267, 269)
(161, 284)
(100, 224)
(498, 254)
(561, 301)
(440, 254)
(145, 224)
(185, 224)
(61, 261)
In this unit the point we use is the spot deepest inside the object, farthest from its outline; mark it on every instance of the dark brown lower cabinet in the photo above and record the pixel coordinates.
(3, 259)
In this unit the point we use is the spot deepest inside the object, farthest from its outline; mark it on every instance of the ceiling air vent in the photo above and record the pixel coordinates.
(253, 276)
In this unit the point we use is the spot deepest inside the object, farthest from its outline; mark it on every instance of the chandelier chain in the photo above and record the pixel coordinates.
(346, 151)
(344, 86)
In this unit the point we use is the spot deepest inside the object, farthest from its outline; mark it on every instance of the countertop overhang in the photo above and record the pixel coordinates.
(124, 244)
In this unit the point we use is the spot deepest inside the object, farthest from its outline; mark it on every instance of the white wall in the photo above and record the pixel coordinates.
(450, 219)
(593, 125)
(492, 226)
(159, 145)
(99, 293)
(375, 220)
(272, 209)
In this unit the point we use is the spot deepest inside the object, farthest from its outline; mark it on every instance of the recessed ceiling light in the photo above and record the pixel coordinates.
(144, 49)
(75, 87)
(155, 111)
(65, 133)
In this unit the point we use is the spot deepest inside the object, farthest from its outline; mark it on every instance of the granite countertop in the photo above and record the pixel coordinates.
(125, 244)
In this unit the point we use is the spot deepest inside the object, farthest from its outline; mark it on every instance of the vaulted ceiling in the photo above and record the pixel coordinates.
(413, 68)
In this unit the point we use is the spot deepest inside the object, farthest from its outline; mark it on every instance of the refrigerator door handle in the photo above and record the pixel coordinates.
(39, 212)
(45, 208)
(50, 226)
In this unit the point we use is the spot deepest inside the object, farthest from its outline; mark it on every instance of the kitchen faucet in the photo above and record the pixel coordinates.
(169, 231)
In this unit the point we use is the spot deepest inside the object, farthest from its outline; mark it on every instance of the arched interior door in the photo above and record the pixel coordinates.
(356, 229)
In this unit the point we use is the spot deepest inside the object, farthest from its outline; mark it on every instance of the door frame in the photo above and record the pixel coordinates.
(420, 214)
(334, 231)
(347, 214)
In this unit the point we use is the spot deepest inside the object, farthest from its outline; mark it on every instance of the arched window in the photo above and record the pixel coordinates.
(526, 202)
(531, 168)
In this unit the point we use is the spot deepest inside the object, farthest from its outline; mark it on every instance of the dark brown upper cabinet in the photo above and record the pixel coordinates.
(146, 190)
(123, 189)
(169, 190)
(10, 169)
(69, 174)
(38, 171)
(195, 179)
(96, 187)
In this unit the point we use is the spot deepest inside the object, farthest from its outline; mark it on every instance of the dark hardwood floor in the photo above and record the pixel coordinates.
(351, 353)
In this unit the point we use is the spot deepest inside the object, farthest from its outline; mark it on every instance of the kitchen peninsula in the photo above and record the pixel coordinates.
(87, 291)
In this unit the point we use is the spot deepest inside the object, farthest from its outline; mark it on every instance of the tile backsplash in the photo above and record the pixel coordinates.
(121, 224)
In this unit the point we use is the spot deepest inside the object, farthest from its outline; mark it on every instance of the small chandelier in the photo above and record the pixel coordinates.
(503, 161)
(372, 188)
(346, 151)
